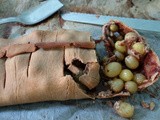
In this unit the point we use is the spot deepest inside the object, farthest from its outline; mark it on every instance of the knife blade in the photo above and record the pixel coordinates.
(139, 24)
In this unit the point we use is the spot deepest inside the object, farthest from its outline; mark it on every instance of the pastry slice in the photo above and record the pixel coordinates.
(131, 65)
(45, 66)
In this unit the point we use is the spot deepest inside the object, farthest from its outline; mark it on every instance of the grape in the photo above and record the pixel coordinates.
(124, 109)
(119, 47)
(131, 36)
(139, 47)
(112, 69)
(113, 27)
(131, 86)
(119, 55)
(116, 84)
(126, 75)
(139, 78)
(131, 62)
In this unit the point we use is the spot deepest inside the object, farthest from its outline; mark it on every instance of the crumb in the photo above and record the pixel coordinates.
(144, 104)
(152, 105)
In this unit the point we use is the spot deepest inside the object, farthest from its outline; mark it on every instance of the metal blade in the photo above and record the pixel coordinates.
(141, 24)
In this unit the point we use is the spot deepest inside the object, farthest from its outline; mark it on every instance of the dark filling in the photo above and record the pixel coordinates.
(81, 66)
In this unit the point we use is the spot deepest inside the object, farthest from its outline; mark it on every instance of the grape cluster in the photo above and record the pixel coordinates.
(121, 72)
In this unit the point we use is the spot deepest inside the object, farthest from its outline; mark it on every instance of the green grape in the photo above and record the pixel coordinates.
(131, 36)
(139, 47)
(139, 78)
(124, 109)
(131, 86)
(119, 47)
(116, 84)
(113, 27)
(119, 55)
(131, 62)
(126, 75)
(112, 69)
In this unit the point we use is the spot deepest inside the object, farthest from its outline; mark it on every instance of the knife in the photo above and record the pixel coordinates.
(139, 24)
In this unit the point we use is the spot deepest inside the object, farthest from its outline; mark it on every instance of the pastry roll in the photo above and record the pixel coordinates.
(45, 66)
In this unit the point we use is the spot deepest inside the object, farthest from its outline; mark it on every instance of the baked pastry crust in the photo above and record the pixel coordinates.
(33, 72)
